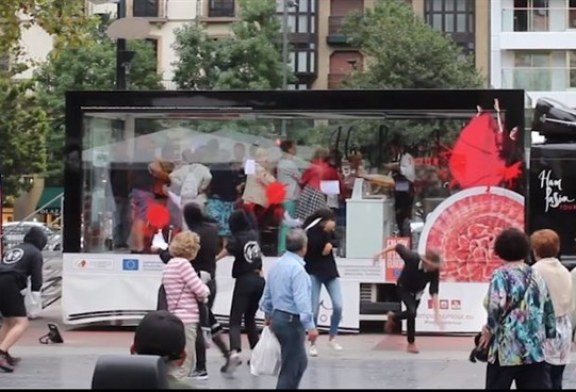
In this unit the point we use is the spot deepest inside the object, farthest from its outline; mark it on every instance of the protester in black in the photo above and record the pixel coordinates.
(244, 246)
(207, 230)
(321, 266)
(18, 264)
(418, 272)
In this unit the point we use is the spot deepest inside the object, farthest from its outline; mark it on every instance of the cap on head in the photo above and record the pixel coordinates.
(160, 333)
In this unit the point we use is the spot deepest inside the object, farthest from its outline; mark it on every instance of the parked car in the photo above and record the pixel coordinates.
(13, 234)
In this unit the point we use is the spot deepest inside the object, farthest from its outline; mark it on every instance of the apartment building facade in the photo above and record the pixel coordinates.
(533, 44)
(319, 54)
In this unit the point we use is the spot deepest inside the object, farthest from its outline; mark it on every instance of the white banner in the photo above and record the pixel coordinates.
(100, 287)
(461, 308)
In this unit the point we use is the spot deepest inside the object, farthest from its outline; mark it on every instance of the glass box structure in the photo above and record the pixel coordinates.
(426, 167)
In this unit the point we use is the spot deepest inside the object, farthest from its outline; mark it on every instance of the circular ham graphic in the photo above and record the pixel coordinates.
(463, 228)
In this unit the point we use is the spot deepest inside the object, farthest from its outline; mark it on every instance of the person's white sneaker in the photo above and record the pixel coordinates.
(313, 352)
(335, 345)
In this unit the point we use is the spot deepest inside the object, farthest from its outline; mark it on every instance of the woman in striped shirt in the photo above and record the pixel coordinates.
(183, 291)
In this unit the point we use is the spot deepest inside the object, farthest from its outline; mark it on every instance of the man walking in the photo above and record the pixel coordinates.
(418, 272)
(287, 304)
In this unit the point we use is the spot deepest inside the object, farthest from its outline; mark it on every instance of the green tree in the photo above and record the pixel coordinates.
(90, 67)
(250, 58)
(402, 51)
(24, 123)
(23, 128)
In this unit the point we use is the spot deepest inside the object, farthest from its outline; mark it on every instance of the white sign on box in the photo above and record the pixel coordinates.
(461, 308)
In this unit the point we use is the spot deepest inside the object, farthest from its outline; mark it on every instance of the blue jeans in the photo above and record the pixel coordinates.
(335, 292)
(291, 336)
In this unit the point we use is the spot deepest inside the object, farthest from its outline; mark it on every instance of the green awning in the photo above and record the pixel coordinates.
(49, 201)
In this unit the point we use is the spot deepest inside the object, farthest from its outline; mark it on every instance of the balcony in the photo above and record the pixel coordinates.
(539, 79)
(335, 34)
(335, 80)
(538, 19)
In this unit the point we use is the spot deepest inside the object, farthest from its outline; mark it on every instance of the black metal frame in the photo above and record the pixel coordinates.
(376, 102)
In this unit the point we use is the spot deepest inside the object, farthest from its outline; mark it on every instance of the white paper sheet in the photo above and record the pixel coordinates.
(250, 167)
(158, 241)
(330, 187)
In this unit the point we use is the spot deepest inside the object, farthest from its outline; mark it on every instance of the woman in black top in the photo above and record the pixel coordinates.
(321, 266)
(244, 246)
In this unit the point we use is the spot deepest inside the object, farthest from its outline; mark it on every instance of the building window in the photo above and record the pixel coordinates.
(221, 8)
(154, 43)
(146, 8)
(303, 58)
(572, 68)
(531, 15)
(533, 71)
(456, 18)
(572, 14)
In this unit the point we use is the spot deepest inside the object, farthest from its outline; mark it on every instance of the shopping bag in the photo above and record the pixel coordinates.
(266, 356)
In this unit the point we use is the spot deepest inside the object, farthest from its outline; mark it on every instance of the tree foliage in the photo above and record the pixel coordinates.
(23, 128)
(250, 58)
(89, 67)
(402, 51)
(24, 124)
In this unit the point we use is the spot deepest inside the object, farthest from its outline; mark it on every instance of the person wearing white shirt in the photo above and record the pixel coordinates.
(546, 246)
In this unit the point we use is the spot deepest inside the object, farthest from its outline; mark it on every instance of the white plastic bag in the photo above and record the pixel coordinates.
(267, 355)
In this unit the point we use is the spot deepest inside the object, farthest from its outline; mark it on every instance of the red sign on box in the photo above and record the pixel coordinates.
(394, 263)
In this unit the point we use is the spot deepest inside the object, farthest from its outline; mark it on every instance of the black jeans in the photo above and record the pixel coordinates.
(409, 314)
(533, 376)
(556, 373)
(245, 301)
(200, 344)
(291, 336)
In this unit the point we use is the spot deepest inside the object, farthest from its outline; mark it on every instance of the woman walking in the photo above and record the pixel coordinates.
(520, 318)
(247, 270)
(183, 291)
(546, 246)
(321, 266)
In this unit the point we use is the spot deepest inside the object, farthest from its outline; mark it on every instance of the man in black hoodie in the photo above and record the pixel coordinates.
(18, 264)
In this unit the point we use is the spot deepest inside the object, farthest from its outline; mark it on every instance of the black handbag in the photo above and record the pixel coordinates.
(162, 302)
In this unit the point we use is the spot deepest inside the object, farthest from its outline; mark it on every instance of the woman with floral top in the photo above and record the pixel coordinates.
(520, 318)
(546, 246)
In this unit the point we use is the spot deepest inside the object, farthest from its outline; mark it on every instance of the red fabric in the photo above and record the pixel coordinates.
(276, 192)
(475, 159)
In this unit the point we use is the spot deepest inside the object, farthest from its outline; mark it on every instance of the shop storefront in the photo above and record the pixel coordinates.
(421, 166)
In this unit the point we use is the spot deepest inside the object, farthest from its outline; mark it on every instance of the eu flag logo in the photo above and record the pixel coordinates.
(130, 264)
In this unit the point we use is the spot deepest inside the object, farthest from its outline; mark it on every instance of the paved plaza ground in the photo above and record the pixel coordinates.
(368, 361)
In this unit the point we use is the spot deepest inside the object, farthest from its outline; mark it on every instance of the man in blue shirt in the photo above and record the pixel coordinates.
(287, 304)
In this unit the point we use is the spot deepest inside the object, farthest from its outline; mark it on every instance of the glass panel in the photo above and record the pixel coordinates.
(437, 21)
(291, 23)
(302, 62)
(302, 24)
(303, 6)
(312, 61)
(449, 23)
(437, 5)
(465, 5)
(313, 24)
(225, 161)
(449, 5)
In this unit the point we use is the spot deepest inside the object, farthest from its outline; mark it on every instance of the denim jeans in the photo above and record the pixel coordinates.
(291, 336)
(335, 293)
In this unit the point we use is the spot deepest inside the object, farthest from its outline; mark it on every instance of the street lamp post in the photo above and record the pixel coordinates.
(120, 51)
(285, 59)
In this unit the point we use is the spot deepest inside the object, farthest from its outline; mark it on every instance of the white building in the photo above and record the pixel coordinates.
(533, 47)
